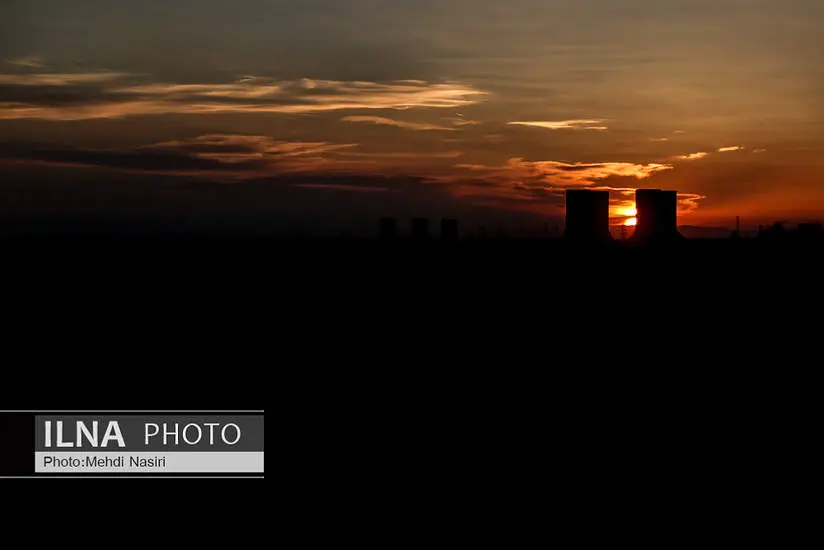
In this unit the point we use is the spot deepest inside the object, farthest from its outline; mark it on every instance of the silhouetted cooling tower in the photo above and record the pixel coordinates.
(587, 215)
(657, 215)
(449, 230)
(420, 229)
(389, 229)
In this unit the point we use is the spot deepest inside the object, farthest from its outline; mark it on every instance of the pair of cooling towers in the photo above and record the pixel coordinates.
(587, 215)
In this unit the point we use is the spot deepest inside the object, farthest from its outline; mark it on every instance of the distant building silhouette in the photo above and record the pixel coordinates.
(810, 231)
(804, 232)
(587, 216)
(388, 229)
(774, 231)
(449, 230)
(657, 215)
(420, 229)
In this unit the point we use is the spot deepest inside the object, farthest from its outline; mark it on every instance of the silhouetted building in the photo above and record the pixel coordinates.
(587, 216)
(774, 231)
(810, 231)
(657, 215)
(420, 229)
(449, 230)
(388, 229)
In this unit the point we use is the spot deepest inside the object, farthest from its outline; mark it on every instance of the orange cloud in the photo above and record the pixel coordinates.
(562, 174)
(688, 202)
(704, 154)
(693, 156)
(565, 125)
(537, 185)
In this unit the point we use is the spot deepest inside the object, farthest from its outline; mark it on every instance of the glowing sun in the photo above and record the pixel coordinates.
(630, 212)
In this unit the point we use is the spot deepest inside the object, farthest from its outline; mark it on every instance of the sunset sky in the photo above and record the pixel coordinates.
(339, 111)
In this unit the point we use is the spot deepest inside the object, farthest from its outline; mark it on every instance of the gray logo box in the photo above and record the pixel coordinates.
(134, 429)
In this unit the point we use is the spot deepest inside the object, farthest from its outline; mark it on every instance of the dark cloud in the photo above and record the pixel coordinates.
(141, 159)
(57, 96)
(238, 155)
(577, 167)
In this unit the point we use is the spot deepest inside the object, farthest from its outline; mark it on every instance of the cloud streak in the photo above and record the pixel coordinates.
(705, 154)
(398, 123)
(30, 62)
(693, 156)
(82, 96)
(62, 79)
(597, 125)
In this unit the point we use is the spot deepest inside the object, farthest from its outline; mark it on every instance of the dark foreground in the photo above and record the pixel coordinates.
(172, 300)
(432, 364)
